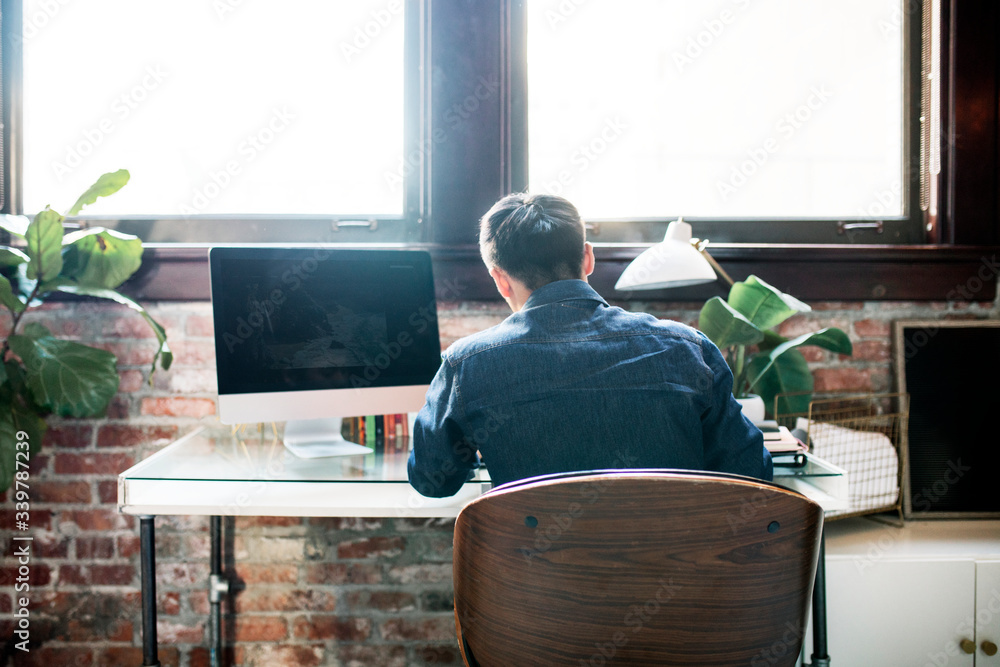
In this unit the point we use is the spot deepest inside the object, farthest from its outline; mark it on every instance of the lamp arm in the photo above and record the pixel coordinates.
(715, 265)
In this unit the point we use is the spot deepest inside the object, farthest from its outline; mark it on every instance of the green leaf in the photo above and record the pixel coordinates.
(107, 184)
(786, 374)
(15, 224)
(67, 378)
(726, 326)
(10, 257)
(163, 354)
(44, 238)
(8, 298)
(16, 420)
(765, 306)
(100, 257)
(831, 338)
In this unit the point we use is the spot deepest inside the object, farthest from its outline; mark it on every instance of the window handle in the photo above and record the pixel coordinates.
(844, 227)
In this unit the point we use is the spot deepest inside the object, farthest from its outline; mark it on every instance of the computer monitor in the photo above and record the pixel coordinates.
(309, 335)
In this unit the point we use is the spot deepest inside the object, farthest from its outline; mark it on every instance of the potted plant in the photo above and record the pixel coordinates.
(763, 362)
(41, 374)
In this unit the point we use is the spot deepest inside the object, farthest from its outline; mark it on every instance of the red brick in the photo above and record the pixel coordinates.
(90, 547)
(129, 435)
(131, 380)
(372, 547)
(52, 491)
(260, 629)
(390, 601)
(324, 626)
(169, 604)
(439, 655)
(169, 632)
(244, 522)
(833, 380)
(128, 546)
(128, 325)
(132, 655)
(51, 545)
(363, 655)
(93, 463)
(872, 328)
(428, 629)
(330, 523)
(129, 352)
(871, 350)
(255, 573)
(6, 606)
(102, 519)
(182, 574)
(120, 407)
(281, 598)
(343, 573)
(177, 407)
(107, 491)
(199, 326)
(282, 656)
(47, 656)
(836, 305)
(97, 575)
(428, 573)
(193, 353)
(69, 436)
(38, 575)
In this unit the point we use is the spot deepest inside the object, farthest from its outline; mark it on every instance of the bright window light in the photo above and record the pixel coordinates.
(228, 107)
(721, 109)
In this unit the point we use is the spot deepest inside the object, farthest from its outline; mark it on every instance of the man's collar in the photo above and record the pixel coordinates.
(562, 290)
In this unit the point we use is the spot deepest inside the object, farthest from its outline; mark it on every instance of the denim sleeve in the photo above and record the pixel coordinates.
(442, 458)
(732, 443)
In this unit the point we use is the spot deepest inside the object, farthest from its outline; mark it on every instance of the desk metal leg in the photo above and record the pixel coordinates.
(147, 549)
(820, 657)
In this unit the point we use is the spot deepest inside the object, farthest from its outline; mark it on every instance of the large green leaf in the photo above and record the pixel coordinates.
(163, 353)
(831, 338)
(44, 238)
(16, 420)
(70, 379)
(787, 374)
(8, 298)
(10, 257)
(726, 326)
(100, 257)
(765, 306)
(107, 184)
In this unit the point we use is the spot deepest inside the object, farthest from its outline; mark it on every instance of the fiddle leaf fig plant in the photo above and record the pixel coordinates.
(762, 361)
(41, 375)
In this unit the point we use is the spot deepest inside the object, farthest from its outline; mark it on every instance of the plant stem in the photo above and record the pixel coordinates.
(17, 320)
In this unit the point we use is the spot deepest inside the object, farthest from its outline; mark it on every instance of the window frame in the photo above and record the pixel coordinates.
(469, 160)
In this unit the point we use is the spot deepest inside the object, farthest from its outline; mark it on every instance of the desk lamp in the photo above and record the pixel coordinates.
(677, 261)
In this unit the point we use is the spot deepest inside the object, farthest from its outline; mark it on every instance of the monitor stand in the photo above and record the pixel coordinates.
(317, 438)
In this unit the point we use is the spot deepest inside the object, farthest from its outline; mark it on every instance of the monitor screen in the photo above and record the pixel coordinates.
(310, 333)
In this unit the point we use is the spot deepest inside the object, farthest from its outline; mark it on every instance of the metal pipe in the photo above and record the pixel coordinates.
(147, 569)
(217, 587)
(820, 657)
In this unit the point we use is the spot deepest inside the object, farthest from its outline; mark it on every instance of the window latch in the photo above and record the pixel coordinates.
(845, 227)
(372, 224)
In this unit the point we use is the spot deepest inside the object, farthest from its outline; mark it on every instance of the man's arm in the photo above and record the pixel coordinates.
(442, 458)
(732, 443)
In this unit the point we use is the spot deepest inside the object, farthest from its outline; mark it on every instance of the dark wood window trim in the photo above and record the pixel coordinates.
(468, 102)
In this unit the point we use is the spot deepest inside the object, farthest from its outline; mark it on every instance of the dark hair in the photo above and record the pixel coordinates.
(535, 239)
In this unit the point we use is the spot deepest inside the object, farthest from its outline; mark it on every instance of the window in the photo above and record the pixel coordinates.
(222, 108)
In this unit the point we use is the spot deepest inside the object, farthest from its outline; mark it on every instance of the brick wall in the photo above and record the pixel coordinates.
(337, 591)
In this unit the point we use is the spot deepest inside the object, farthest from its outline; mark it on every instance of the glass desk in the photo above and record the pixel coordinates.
(216, 473)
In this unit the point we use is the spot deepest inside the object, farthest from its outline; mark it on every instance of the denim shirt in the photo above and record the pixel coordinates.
(570, 383)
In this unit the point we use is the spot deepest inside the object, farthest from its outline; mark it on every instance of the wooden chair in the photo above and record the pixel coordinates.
(635, 567)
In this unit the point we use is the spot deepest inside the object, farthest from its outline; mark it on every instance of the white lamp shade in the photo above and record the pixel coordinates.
(674, 262)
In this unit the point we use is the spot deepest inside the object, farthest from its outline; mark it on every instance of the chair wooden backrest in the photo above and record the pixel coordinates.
(635, 567)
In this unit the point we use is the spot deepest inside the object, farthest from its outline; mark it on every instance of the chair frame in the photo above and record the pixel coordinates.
(652, 567)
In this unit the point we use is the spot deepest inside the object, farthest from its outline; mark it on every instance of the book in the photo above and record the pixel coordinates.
(780, 439)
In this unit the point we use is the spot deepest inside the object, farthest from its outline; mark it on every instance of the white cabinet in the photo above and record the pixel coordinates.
(926, 595)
